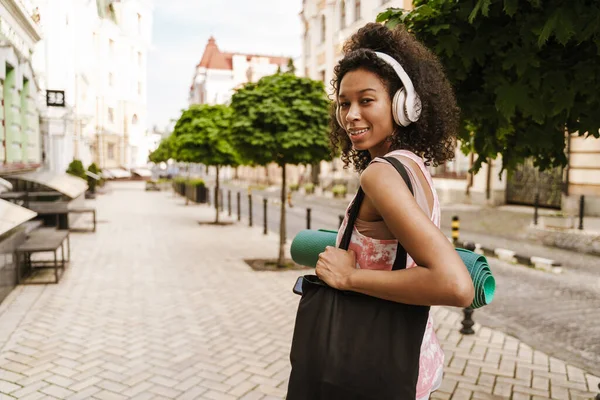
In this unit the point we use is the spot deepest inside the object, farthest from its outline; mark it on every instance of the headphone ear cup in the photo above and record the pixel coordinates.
(399, 108)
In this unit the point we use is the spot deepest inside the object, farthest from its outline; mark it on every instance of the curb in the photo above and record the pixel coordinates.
(510, 256)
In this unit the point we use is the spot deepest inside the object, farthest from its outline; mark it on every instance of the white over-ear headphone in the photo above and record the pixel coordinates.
(406, 105)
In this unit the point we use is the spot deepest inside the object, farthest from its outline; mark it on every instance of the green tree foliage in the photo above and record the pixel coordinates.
(164, 152)
(76, 169)
(202, 135)
(525, 71)
(283, 119)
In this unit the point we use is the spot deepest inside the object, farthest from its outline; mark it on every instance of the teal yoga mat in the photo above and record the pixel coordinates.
(308, 244)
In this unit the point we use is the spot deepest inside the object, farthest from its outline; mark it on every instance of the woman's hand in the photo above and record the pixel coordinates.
(335, 266)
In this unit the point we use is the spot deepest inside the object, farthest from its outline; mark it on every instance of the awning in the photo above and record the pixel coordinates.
(92, 175)
(5, 186)
(142, 172)
(12, 215)
(116, 173)
(64, 183)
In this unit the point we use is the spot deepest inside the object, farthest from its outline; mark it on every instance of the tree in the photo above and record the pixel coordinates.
(283, 119)
(525, 71)
(202, 135)
(164, 152)
(291, 68)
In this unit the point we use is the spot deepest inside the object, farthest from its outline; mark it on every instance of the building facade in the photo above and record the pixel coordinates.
(96, 53)
(219, 73)
(19, 89)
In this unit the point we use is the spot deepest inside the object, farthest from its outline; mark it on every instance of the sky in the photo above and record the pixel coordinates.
(181, 29)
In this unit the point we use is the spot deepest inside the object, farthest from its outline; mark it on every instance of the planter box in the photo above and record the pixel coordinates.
(557, 222)
(197, 194)
(200, 194)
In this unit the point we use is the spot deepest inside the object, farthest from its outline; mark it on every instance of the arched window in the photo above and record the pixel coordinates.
(342, 14)
(323, 28)
(134, 119)
(356, 10)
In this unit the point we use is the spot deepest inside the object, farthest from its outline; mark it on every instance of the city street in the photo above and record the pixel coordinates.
(559, 313)
(156, 306)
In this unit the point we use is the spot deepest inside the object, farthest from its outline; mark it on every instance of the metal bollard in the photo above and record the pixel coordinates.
(308, 210)
(536, 205)
(229, 203)
(250, 210)
(239, 206)
(455, 229)
(341, 220)
(581, 211)
(598, 395)
(467, 322)
(265, 216)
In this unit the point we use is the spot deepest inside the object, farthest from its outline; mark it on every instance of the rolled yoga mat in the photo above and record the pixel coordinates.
(308, 244)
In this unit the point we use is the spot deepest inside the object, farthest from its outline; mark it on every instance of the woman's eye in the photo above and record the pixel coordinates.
(364, 101)
(344, 105)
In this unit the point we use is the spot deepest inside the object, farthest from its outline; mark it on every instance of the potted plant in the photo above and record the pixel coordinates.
(179, 185)
(309, 188)
(294, 187)
(339, 191)
(92, 182)
(199, 190)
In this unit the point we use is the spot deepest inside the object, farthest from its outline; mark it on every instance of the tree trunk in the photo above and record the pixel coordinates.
(280, 260)
(217, 198)
(315, 172)
(187, 199)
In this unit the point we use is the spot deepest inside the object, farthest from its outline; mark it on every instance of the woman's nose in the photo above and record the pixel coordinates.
(353, 114)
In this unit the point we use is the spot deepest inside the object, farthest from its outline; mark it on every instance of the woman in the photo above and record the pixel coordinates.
(418, 129)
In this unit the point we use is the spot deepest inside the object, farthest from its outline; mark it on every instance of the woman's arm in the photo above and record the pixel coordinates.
(440, 277)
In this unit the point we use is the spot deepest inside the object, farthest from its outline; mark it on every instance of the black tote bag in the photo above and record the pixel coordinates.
(347, 345)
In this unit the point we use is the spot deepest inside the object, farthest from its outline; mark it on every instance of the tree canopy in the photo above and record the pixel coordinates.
(164, 152)
(281, 118)
(525, 72)
(202, 135)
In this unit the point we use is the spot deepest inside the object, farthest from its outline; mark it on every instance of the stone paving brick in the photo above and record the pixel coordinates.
(155, 306)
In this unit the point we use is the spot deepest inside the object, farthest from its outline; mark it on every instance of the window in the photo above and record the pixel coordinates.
(356, 10)
(140, 59)
(111, 115)
(323, 76)
(342, 14)
(110, 79)
(139, 23)
(323, 29)
(111, 151)
(134, 119)
(139, 88)
(111, 47)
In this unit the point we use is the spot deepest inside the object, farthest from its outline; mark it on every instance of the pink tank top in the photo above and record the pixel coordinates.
(380, 254)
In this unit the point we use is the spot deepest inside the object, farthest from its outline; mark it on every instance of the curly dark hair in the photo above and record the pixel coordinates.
(433, 136)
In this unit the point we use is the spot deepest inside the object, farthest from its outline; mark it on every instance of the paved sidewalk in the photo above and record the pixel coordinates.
(155, 306)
